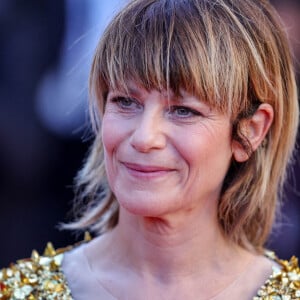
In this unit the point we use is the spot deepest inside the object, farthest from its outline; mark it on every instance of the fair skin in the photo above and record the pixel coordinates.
(166, 159)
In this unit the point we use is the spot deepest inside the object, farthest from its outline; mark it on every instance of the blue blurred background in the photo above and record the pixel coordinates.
(45, 54)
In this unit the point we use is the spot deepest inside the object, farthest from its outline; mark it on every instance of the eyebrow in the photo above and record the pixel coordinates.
(133, 89)
(134, 92)
(172, 99)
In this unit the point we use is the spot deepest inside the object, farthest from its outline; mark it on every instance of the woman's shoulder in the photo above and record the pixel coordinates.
(284, 282)
(37, 277)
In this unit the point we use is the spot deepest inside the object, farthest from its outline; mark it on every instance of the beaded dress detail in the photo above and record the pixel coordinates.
(40, 277)
(284, 283)
(37, 278)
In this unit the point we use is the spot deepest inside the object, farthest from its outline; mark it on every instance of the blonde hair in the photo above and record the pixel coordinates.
(231, 54)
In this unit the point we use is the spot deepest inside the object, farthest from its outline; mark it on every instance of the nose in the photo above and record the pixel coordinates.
(149, 133)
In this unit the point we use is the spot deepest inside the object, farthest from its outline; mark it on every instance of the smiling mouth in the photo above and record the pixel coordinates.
(147, 171)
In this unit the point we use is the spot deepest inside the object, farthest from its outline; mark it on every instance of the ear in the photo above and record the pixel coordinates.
(254, 129)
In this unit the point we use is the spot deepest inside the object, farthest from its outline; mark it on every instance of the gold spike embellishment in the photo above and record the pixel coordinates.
(38, 277)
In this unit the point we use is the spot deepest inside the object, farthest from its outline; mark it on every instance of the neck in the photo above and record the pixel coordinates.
(174, 246)
(178, 256)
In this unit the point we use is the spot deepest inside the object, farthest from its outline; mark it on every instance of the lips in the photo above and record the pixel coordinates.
(145, 168)
(141, 170)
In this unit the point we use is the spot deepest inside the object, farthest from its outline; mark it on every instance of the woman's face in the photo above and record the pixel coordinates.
(164, 154)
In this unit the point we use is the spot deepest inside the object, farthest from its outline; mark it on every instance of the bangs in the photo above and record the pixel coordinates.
(176, 45)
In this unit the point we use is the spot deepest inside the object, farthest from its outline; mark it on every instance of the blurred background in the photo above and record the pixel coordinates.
(45, 55)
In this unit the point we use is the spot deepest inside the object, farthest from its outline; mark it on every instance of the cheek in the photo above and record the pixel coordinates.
(115, 132)
(111, 133)
(205, 152)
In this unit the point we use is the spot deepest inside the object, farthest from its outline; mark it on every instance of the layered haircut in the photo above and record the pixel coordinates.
(231, 54)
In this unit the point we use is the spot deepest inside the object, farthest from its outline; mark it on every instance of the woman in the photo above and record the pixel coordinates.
(195, 111)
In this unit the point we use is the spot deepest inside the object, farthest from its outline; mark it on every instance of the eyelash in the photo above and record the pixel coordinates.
(189, 112)
(120, 101)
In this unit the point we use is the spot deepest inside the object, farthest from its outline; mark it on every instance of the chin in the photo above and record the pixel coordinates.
(147, 207)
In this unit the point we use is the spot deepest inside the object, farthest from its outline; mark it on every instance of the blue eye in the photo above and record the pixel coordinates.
(122, 101)
(126, 103)
(183, 112)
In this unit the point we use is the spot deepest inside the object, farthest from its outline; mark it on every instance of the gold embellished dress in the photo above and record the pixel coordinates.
(41, 277)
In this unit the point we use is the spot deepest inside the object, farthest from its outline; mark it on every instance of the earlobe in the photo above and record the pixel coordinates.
(254, 129)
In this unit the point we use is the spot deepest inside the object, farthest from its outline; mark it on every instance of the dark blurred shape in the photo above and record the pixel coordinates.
(45, 55)
(34, 165)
